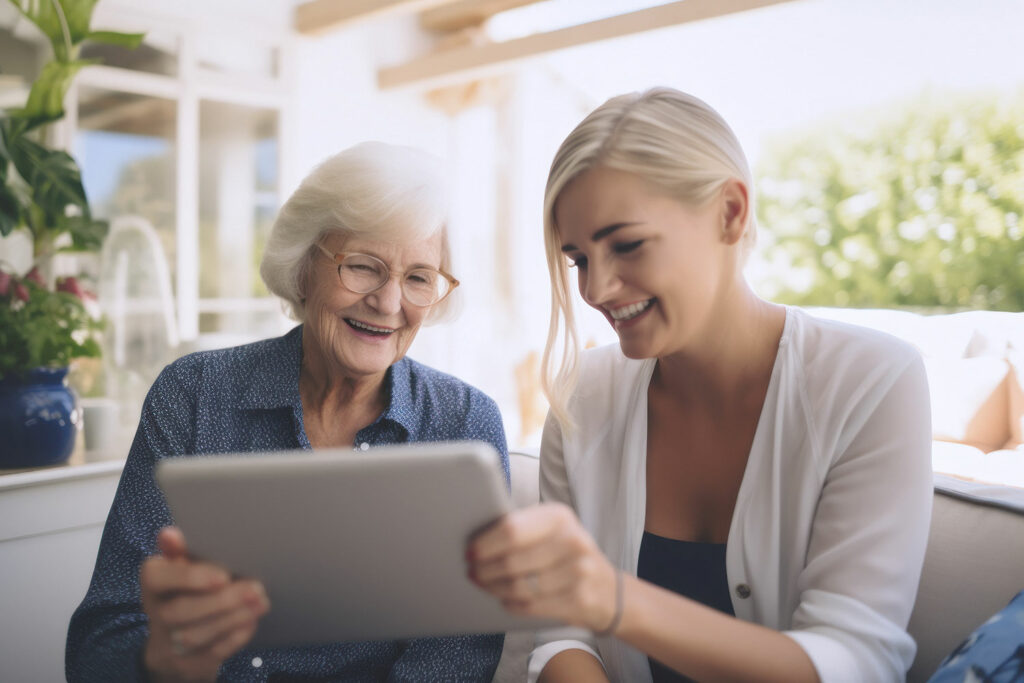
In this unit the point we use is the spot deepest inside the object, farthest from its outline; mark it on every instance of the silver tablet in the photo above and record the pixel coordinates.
(351, 545)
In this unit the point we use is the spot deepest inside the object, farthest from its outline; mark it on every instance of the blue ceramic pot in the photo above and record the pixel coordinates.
(38, 418)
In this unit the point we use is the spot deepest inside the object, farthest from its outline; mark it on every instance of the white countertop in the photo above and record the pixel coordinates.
(45, 475)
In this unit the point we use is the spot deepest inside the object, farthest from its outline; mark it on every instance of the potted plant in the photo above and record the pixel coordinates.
(44, 322)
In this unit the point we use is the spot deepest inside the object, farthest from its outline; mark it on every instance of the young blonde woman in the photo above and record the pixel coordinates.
(737, 490)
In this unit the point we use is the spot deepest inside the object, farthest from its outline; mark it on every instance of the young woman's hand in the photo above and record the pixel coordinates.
(540, 561)
(198, 616)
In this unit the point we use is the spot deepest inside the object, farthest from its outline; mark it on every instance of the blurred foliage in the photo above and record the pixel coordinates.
(918, 206)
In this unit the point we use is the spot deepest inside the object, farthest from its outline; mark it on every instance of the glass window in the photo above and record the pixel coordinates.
(238, 174)
(126, 149)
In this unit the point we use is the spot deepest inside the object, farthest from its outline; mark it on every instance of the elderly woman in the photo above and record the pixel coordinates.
(360, 255)
(736, 490)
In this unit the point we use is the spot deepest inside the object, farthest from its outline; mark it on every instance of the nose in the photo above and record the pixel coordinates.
(387, 299)
(598, 283)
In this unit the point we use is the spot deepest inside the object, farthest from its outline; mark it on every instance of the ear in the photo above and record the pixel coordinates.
(735, 203)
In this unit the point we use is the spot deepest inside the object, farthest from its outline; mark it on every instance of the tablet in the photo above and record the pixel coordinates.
(350, 545)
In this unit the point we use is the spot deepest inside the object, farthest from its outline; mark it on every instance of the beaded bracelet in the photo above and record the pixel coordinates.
(617, 616)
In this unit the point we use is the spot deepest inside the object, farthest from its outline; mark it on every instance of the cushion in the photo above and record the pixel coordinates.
(967, 573)
(1015, 389)
(524, 466)
(970, 400)
(994, 652)
(525, 469)
(957, 459)
(1002, 467)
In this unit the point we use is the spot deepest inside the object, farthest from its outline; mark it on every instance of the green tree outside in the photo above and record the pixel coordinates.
(919, 206)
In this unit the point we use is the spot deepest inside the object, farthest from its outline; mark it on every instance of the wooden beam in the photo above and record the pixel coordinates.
(446, 67)
(319, 16)
(461, 14)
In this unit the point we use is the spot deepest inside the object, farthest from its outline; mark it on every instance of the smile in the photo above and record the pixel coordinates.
(369, 329)
(630, 311)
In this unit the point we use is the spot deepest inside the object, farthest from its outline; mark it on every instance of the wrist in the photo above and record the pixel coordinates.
(611, 624)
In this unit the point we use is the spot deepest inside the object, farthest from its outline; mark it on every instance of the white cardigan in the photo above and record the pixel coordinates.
(828, 534)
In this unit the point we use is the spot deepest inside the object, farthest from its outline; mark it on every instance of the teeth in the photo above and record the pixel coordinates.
(369, 328)
(630, 311)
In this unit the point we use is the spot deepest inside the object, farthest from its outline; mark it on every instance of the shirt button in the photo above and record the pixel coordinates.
(257, 662)
(742, 591)
(364, 446)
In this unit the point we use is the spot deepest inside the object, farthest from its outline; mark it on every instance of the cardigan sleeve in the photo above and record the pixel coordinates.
(868, 537)
(554, 487)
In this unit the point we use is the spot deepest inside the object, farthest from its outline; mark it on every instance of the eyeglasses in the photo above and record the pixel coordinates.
(362, 274)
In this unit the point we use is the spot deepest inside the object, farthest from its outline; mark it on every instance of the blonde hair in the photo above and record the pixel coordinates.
(372, 190)
(670, 139)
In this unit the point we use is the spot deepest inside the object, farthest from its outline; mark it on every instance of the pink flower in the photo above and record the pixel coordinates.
(72, 286)
(35, 277)
(21, 291)
(69, 285)
(5, 283)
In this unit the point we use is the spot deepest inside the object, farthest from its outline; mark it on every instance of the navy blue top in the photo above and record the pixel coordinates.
(246, 399)
(694, 570)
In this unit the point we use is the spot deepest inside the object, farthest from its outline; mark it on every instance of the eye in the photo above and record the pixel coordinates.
(578, 262)
(627, 247)
(421, 277)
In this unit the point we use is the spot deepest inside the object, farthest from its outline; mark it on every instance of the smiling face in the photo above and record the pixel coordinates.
(364, 334)
(656, 268)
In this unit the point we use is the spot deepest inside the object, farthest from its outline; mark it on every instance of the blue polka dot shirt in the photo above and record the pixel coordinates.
(245, 399)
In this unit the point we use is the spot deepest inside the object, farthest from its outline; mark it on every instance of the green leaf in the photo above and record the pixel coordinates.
(128, 40)
(10, 210)
(79, 16)
(87, 234)
(53, 177)
(46, 99)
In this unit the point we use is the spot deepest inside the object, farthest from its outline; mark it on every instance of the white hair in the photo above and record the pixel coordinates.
(672, 140)
(372, 190)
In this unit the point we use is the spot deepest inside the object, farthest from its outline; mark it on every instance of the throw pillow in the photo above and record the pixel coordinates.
(994, 653)
(1016, 392)
(970, 401)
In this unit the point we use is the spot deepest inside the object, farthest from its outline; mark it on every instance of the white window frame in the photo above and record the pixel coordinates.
(192, 85)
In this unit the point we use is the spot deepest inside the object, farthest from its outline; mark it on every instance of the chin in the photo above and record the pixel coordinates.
(636, 349)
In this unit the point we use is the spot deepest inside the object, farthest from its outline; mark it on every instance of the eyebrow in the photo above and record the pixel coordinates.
(380, 257)
(601, 234)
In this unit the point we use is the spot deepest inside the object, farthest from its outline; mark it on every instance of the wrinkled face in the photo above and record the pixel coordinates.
(365, 334)
(652, 265)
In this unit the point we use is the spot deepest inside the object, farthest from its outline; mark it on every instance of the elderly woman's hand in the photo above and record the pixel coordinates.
(540, 561)
(198, 615)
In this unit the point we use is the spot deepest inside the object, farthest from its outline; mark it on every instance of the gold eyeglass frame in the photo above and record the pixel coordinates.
(340, 256)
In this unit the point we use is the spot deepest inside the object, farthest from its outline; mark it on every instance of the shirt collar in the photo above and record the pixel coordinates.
(400, 407)
(275, 382)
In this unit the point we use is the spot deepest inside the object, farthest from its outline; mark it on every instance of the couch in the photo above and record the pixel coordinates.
(975, 366)
(973, 566)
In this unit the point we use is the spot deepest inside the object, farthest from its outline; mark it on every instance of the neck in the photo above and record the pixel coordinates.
(731, 355)
(324, 385)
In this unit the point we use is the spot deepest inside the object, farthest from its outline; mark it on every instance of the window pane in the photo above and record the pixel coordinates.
(237, 197)
(126, 149)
